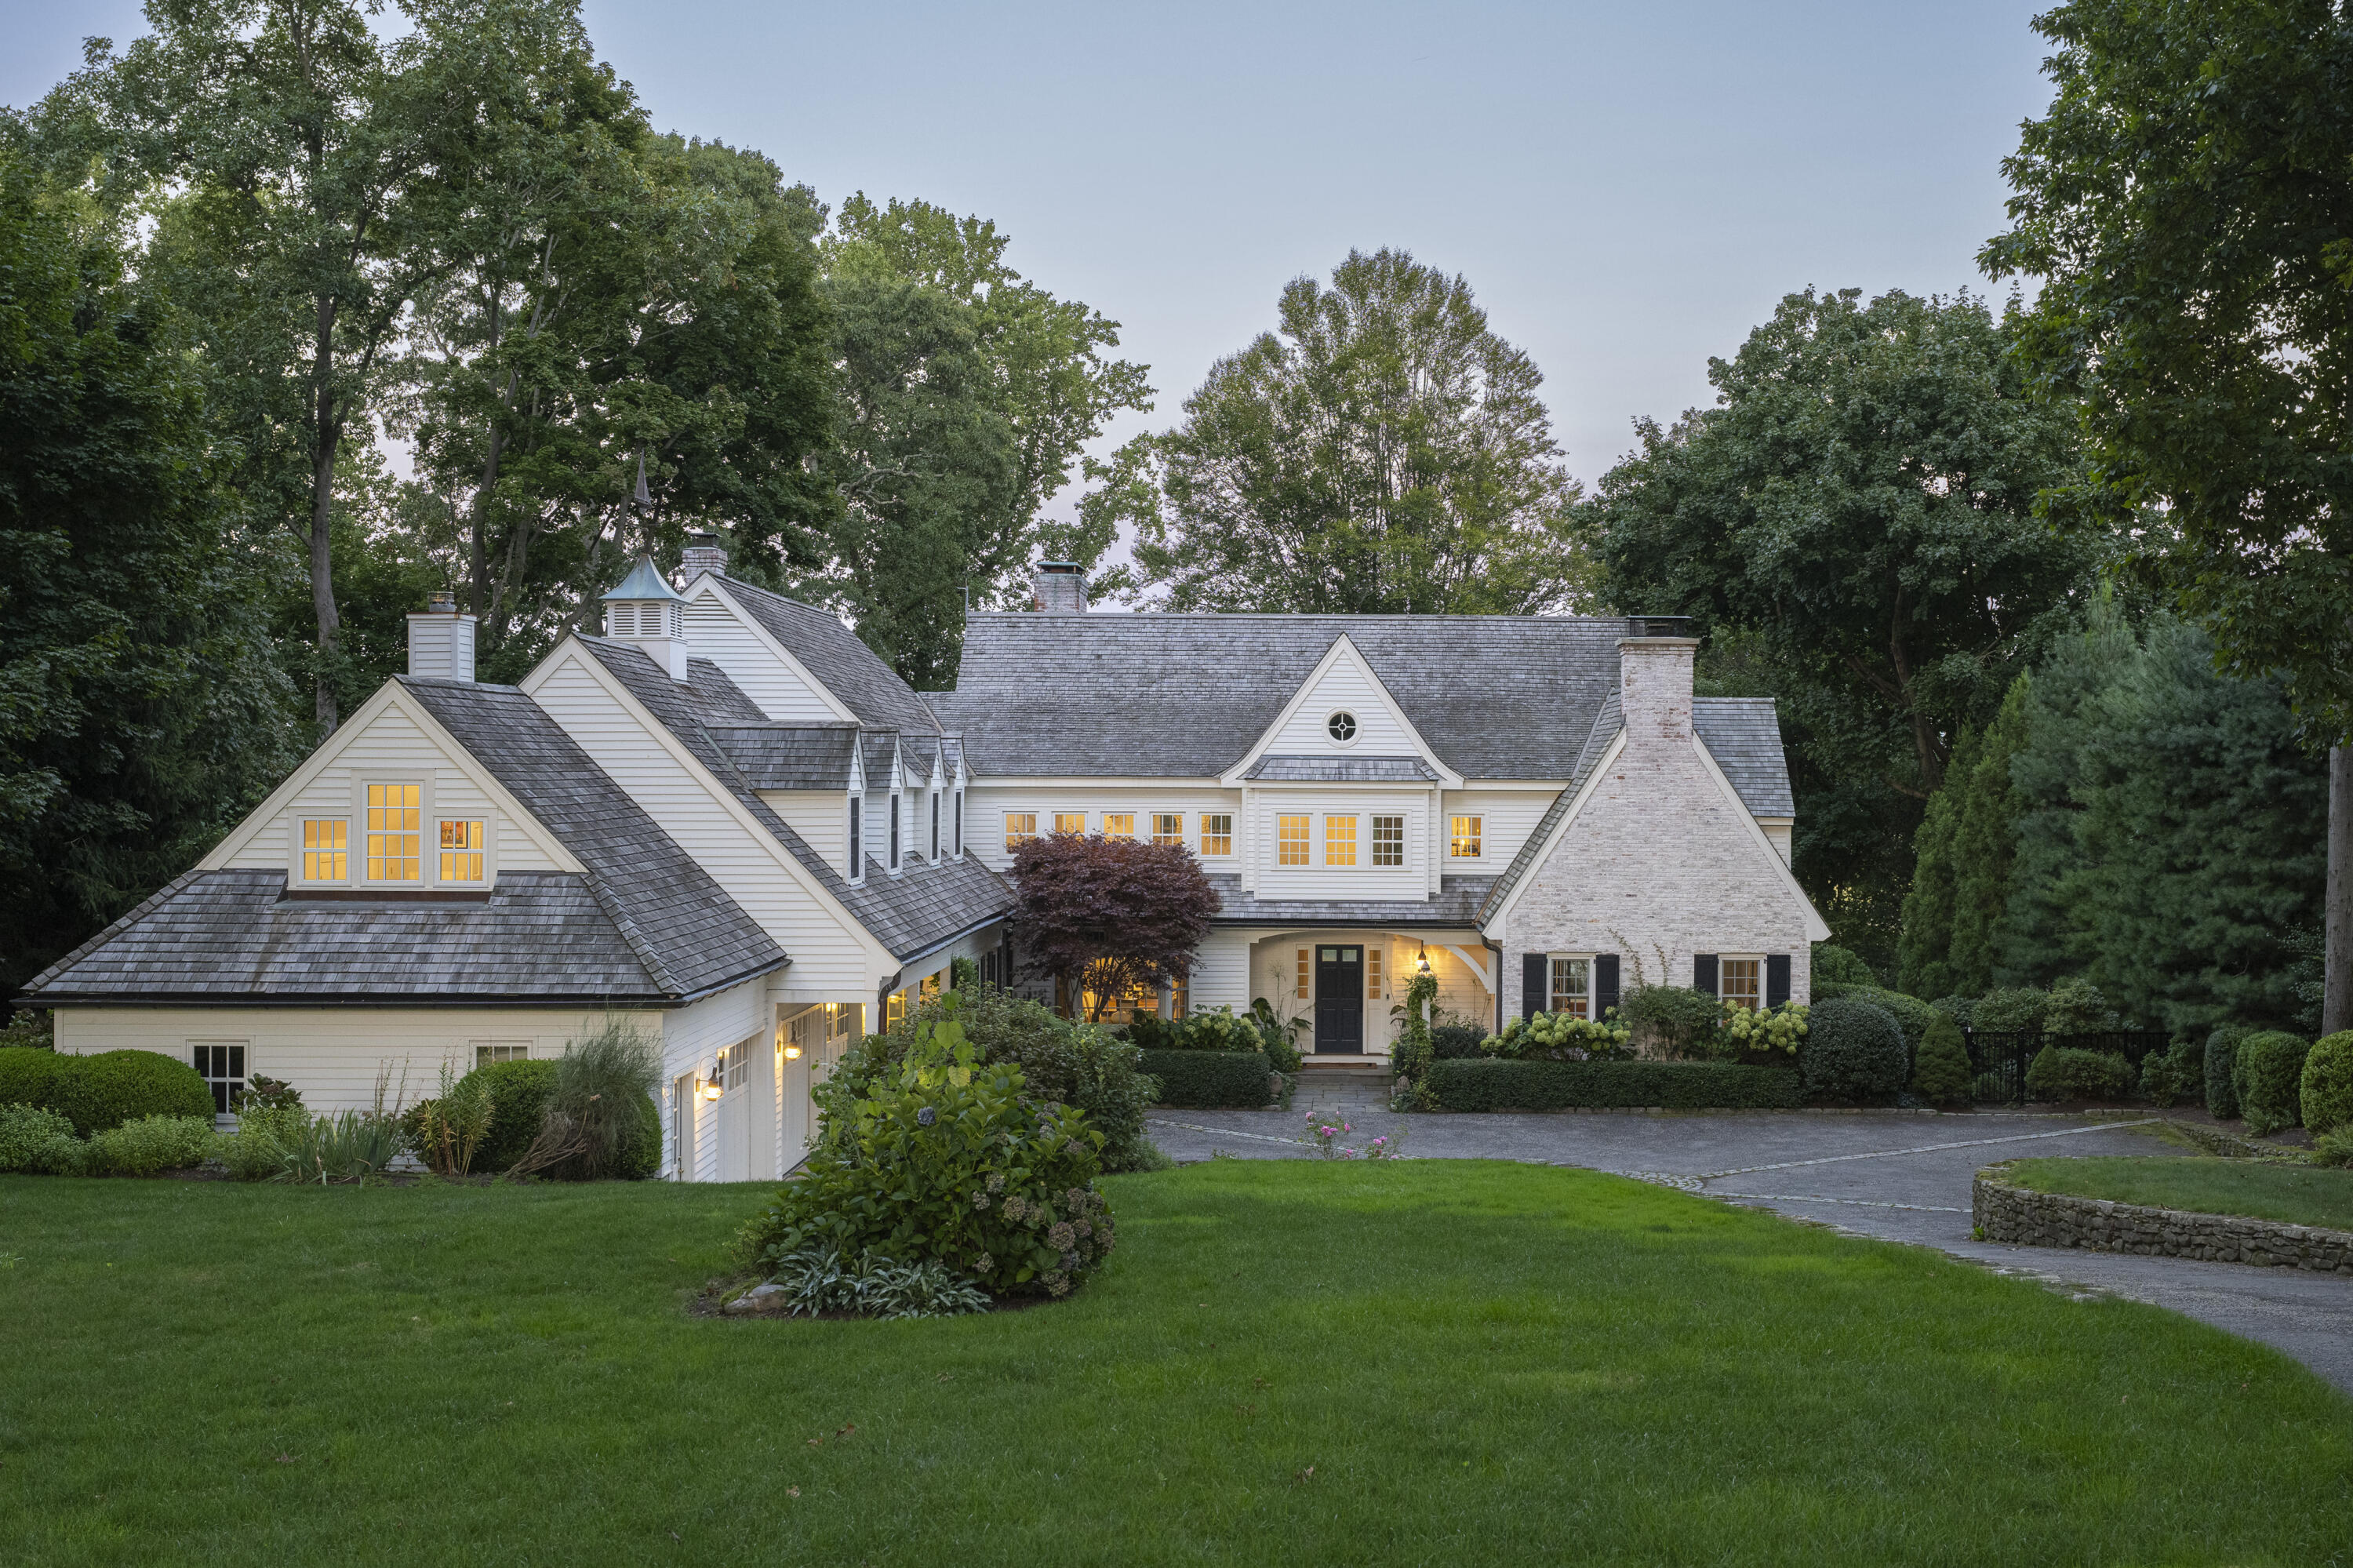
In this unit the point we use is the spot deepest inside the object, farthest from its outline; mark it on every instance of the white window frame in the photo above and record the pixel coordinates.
(427, 833)
(488, 1050)
(224, 1104)
(1478, 821)
(1178, 816)
(958, 814)
(897, 835)
(1013, 844)
(1355, 729)
(1373, 841)
(1552, 980)
(1356, 860)
(1204, 818)
(856, 829)
(935, 825)
(1756, 958)
(294, 865)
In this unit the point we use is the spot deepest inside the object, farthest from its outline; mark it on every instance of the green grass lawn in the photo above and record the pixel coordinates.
(2296, 1195)
(1435, 1361)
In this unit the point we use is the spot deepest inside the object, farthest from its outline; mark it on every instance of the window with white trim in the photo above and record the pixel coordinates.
(489, 1051)
(396, 832)
(1339, 840)
(1306, 982)
(1372, 974)
(936, 827)
(1021, 827)
(461, 849)
(1741, 981)
(856, 839)
(1168, 827)
(326, 843)
(1290, 841)
(1119, 824)
(1071, 822)
(894, 830)
(1572, 987)
(221, 1064)
(1465, 842)
(1217, 833)
(1388, 840)
(959, 824)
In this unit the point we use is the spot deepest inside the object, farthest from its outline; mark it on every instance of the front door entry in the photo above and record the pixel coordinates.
(1339, 1001)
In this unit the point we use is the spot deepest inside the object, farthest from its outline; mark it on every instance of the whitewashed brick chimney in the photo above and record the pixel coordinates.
(1654, 683)
(703, 552)
(1062, 588)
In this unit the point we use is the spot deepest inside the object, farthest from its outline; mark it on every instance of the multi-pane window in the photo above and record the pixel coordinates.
(1465, 844)
(1572, 987)
(461, 849)
(1119, 824)
(1070, 821)
(1736, 979)
(736, 1066)
(395, 831)
(1169, 827)
(1388, 840)
(488, 1050)
(1290, 841)
(1373, 973)
(221, 1064)
(1339, 840)
(324, 856)
(842, 1019)
(1306, 976)
(1217, 833)
(1021, 827)
(894, 1011)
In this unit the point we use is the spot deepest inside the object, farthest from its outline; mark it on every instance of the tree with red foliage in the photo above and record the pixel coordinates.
(1109, 916)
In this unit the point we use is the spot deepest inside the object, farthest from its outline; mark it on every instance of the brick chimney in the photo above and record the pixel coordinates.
(703, 554)
(441, 640)
(1062, 588)
(1654, 678)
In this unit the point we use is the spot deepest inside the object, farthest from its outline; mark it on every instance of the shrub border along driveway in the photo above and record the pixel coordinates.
(2005, 1212)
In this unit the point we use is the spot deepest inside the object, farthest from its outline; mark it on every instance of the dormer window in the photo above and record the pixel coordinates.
(959, 824)
(894, 830)
(936, 827)
(856, 840)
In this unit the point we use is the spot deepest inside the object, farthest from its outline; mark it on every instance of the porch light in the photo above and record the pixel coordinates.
(712, 1089)
(1421, 964)
(791, 1053)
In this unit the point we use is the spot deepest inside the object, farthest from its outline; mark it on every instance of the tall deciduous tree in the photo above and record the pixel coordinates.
(1384, 452)
(142, 709)
(2188, 201)
(1109, 916)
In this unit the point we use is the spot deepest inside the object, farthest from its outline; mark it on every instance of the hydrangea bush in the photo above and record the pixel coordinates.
(1561, 1037)
(1772, 1033)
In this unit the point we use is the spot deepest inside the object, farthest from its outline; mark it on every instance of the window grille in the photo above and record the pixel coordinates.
(1339, 840)
(1306, 977)
(1290, 841)
(1373, 973)
(221, 1064)
(1167, 827)
(1738, 982)
(394, 831)
(461, 850)
(324, 858)
(1217, 833)
(489, 1051)
(1070, 821)
(1021, 827)
(1572, 991)
(1388, 840)
(1466, 838)
(1119, 824)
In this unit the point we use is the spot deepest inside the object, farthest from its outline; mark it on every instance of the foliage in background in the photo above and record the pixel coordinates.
(1383, 452)
(1109, 917)
(2065, 1073)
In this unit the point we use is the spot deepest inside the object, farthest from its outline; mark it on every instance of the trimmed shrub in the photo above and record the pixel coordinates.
(1671, 1021)
(2325, 1095)
(2267, 1073)
(519, 1093)
(1911, 1014)
(1491, 1084)
(1838, 966)
(2222, 1072)
(1940, 1068)
(39, 1142)
(2019, 1010)
(1211, 1078)
(114, 1087)
(640, 1152)
(2063, 1073)
(2175, 1074)
(29, 1074)
(1455, 1041)
(150, 1145)
(1853, 1053)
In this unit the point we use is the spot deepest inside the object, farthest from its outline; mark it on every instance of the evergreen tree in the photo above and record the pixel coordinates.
(1985, 842)
(1924, 950)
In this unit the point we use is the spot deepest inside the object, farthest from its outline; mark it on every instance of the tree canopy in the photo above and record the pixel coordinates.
(1109, 916)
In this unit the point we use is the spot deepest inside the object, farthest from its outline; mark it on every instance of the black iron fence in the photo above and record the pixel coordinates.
(1998, 1059)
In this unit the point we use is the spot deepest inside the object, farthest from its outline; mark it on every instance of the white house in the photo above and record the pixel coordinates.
(727, 819)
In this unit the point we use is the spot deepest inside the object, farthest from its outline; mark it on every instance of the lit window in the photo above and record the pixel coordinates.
(1119, 824)
(929, 987)
(324, 850)
(1217, 833)
(1571, 989)
(1306, 975)
(1290, 841)
(1373, 970)
(1169, 827)
(1021, 827)
(394, 833)
(1070, 821)
(894, 1011)
(1388, 840)
(461, 850)
(1737, 981)
(488, 1050)
(221, 1064)
(1339, 840)
(1466, 839)
(856, 838)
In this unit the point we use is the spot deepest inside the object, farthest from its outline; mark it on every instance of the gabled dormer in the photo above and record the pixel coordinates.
(647, 613)
(1340, 722)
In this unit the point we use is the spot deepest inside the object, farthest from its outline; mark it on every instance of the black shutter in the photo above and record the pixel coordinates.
(1777, 979)
(1605, 983)
(1704, 973)
(1536, 984)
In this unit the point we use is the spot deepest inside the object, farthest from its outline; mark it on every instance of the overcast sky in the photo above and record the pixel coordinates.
(1629, 188)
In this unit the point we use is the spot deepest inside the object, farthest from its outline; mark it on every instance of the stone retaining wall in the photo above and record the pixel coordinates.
(2006, 1213)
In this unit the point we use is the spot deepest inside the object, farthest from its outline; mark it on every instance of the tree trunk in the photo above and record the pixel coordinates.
(326, 430)
(2336, 988)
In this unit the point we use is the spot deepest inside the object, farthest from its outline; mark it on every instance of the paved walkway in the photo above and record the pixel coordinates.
(1895, 1176)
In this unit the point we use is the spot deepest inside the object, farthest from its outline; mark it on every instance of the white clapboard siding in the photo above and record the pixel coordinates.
(1507, 817)
(714, 632)
(1220, 974)
(827, 947)
(336, 1056)
(692, 1038)
(1381, 730)
(986, 804)
(1364, 880)
(821, 816)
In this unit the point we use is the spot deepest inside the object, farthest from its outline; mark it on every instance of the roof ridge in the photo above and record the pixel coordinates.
(627, 925)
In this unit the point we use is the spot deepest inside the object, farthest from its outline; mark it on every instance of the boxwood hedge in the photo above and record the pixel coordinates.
(1239, 1078)
(1488, 1084)
(105, 1090)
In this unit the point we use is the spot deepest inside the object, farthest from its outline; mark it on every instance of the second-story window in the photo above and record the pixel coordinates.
(1021, 827)
(324, 855)
(935, 825)
(1465, 843)
(856, 839)
(1290, 839)
(1339, 840)
(959, 824)
(894, 830)
(461, 849)
(1169, 827)
(1071, 822)
(1388, 840)
(395, 833)
(1217, 833)
(1119, 824)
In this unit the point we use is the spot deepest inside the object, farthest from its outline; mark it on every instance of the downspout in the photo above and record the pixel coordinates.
(1495, 968)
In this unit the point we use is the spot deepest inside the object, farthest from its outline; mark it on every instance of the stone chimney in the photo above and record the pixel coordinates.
(1062, 588)
(1654, 678)
(441, 640)
(703, 554)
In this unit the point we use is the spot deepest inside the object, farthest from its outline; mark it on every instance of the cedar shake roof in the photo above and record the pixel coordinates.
(910, 913)
(788, 756)
(833, 653)
(1344, 769)
(1457, 903)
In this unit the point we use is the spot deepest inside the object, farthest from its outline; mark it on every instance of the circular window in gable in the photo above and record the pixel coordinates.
(1341, 727)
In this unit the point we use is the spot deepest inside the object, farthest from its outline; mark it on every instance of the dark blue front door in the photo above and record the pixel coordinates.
(1339, 1001)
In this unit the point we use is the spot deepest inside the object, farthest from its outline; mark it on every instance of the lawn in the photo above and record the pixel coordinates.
(1432, 1361)
(2295, 1194)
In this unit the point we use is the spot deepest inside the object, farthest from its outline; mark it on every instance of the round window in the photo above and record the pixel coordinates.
(1341, 725)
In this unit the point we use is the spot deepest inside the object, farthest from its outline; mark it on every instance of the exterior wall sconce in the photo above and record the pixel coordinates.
(791, 1053)
(1421, 964)
(712, 1089)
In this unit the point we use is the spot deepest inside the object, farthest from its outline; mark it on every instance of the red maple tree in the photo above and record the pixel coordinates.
(1110, 918)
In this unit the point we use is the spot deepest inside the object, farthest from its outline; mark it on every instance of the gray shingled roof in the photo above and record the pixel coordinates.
(910, 913)
(1457, 903)
(788, 756)
(832, 653)
(1186, 696)
(718, 700)
(233, 936)
(1344, 769)
(1741, 733)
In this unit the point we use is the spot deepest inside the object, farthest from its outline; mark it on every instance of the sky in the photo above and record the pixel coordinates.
(1628, 188)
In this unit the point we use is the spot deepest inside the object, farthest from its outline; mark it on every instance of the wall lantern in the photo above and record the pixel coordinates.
(791, 1053)
(1421, 964)
(712, 1089)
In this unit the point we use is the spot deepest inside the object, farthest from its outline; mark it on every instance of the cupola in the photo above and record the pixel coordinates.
(646, 612)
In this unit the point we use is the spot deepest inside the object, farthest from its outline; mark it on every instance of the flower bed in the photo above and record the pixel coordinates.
(1496, 1085)
(1211, 1078)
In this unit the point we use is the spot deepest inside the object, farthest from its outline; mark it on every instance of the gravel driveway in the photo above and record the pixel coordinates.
(1894, 1175)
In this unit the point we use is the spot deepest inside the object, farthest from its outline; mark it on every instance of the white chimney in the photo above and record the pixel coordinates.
(1062, 588)
(1654, 678)
(441, 640)
(703, 554)
(647, 613)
